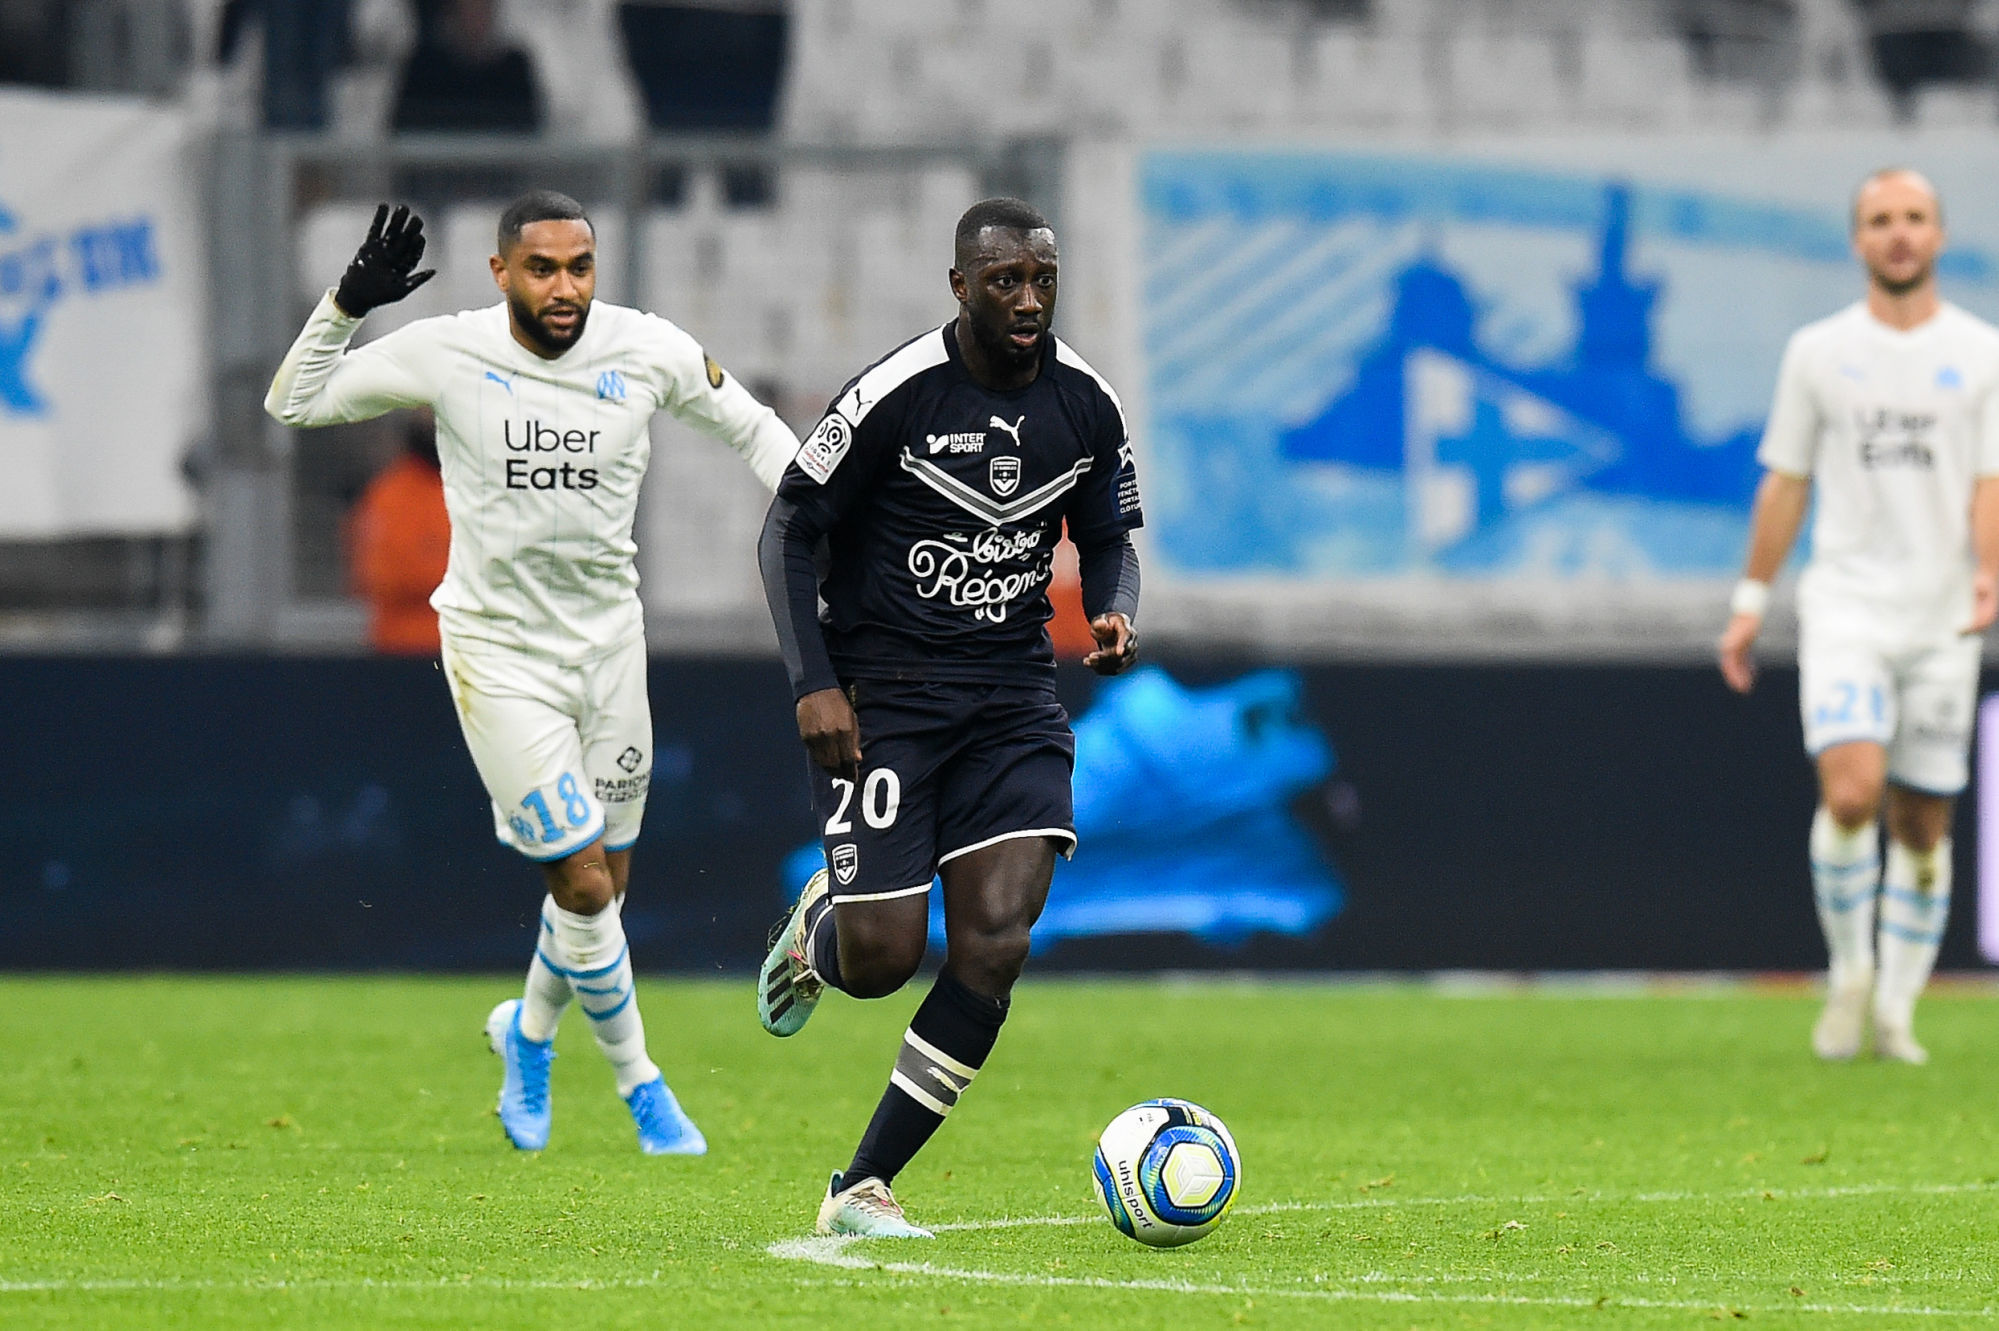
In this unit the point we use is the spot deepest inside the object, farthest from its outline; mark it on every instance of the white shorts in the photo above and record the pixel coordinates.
(1912, 694)
(565, 752)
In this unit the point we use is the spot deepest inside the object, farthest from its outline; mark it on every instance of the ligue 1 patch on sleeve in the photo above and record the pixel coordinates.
(714, 370)
(824, 447)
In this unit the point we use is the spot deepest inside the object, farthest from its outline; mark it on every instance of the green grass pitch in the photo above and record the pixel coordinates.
(266, 1152)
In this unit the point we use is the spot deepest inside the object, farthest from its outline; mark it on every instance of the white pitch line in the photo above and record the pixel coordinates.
(833, 1252)
(1563, 1199)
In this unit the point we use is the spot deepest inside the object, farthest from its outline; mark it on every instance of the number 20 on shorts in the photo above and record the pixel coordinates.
(881, 800)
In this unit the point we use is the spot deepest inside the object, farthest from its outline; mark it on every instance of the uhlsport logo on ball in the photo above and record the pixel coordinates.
(1167, 1172)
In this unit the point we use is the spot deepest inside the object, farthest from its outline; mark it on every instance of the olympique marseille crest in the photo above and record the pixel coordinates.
(1005, 475)
(846, 862)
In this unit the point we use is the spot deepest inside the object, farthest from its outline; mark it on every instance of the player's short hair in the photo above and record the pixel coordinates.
(1006, 214)
(539, 205)
(1853, 211)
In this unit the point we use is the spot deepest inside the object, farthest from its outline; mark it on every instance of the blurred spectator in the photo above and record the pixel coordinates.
(707, 66)
(305, 44)
(1068, 626)
(464, 74)
(1918, 42)
(399, 541)
(33, 42)
(579, 58)
(1750, 40)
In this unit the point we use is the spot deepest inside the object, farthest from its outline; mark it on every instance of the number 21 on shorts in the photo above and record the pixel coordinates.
(881, 800)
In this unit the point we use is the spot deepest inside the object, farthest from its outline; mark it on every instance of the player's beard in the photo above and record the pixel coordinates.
(993, 341)
(541, 334)
(1902, 286)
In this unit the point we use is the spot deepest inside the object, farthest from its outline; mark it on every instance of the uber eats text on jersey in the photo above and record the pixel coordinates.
(536, 437)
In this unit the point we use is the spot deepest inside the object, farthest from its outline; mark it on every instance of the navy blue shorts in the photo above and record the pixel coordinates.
(946, 769)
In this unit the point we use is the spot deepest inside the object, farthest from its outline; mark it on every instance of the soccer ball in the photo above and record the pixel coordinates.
(1167, 1172)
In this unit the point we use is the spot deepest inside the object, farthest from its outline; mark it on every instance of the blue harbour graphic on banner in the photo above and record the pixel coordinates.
(1388, 366)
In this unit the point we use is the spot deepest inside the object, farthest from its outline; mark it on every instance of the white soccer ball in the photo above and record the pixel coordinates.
(1167, 1171)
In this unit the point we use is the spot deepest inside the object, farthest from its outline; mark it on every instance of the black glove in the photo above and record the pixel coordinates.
(380, 273)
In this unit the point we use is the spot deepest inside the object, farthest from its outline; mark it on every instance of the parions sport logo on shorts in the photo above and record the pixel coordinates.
(970, 573)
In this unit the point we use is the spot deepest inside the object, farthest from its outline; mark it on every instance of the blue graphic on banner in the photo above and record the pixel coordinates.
(1182, 815)
(39, 271)
(1332, 394)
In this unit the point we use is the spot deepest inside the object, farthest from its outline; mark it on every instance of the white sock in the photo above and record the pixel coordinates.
(548, 992)
(591, 948)
(1846, 868)
(1915, 902)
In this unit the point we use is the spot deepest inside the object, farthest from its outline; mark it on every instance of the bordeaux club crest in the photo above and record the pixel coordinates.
(1004, 472)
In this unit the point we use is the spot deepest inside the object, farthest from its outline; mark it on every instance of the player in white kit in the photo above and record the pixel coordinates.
(1888, 411)
(543, 404)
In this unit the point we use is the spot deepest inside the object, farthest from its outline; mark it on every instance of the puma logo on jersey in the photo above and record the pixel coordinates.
(1014, 429)
(504, 383)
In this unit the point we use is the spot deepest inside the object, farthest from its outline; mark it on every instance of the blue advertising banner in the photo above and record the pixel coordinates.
(292, 812)
(1436, 369)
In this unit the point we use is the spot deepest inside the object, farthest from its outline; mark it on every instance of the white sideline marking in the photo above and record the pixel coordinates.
(832, 1251)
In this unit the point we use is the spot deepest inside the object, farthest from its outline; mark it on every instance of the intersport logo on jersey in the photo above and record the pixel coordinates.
(967, 572)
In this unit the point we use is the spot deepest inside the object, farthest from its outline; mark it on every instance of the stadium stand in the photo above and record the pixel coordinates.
(795, 268)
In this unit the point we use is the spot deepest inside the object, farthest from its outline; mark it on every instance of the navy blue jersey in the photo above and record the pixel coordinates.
(940, 503)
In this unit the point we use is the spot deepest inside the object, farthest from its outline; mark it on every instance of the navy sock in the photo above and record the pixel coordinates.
(946, 1045)
(822, 943)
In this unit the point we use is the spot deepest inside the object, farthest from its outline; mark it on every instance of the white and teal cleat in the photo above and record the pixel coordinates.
(865, 1210)
(664, 1128)
(787, 986)
(524, 1111)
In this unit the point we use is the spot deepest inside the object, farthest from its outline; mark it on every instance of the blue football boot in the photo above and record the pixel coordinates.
(664, 1128)
(524, 1111)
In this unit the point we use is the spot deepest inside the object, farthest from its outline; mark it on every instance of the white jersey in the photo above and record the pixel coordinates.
(542, 459)
(1894, 428)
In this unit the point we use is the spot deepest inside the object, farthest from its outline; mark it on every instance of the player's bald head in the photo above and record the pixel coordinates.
(1894, 180)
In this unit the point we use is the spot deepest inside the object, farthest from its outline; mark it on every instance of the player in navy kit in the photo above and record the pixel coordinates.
(935, 489)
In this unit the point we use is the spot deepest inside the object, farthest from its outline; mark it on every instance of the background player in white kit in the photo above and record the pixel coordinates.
(543, 404)
(1891, 407)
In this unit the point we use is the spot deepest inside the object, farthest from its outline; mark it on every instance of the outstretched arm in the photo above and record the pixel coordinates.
(1781, 500)
(714, 401)
(318, 383)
